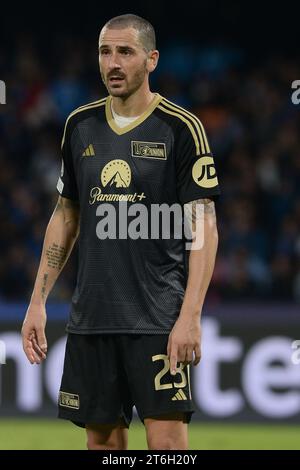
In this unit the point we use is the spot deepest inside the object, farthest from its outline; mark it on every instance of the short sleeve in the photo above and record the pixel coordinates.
(67, 185)
(195, 168)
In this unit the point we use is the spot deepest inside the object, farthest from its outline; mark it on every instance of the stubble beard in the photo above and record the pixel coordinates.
(128, 90)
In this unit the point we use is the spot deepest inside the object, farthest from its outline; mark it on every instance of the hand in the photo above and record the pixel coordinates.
(184, 339)
(33, 334)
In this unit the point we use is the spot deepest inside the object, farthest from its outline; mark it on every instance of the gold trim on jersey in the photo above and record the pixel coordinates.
(122, 130)
(92, 105)
(198, 124)
(188, 123)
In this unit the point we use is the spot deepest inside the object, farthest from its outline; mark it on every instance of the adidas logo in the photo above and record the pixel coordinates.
(89, 151)
(180, 395)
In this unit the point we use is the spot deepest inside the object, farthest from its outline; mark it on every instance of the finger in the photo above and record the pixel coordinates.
(27, 347)
(30, 353)
(182, 353)
(173, 359)
(37, 349)
(197, 355)
(26, 335)
(34, 354)
(41, 339)
(188, 356)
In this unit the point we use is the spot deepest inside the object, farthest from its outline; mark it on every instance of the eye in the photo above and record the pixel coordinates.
(126, 52)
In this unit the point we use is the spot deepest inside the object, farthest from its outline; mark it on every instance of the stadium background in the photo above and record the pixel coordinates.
(233, 65)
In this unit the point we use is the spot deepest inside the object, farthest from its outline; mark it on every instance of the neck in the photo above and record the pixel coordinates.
(133, 105)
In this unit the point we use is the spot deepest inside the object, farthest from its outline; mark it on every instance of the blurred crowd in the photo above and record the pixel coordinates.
(253, 127)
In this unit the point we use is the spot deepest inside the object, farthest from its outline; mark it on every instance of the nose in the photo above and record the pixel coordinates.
(113, 61)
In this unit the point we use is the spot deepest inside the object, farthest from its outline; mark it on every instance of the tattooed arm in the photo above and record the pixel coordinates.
(61, 234)
(202, 255)
(185, 337)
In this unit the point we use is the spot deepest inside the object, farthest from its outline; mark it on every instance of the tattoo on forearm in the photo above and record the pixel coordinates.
(56, 256)
(197, 210)
(43, 290)
(209, 206)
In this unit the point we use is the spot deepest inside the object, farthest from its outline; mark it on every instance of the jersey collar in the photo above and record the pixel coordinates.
(122, 130)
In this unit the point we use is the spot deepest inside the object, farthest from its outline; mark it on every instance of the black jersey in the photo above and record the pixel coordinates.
(131, 283)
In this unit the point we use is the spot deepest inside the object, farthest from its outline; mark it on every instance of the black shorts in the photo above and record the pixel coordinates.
(105, 375)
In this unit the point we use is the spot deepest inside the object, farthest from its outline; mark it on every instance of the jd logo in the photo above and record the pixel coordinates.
(204, 172)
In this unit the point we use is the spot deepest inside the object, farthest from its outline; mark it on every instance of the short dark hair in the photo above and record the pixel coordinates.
(144, 28)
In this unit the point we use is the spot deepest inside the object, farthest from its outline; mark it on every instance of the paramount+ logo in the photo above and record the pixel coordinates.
(2, 92)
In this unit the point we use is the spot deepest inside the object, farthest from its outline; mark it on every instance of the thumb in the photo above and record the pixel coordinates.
(41, 338)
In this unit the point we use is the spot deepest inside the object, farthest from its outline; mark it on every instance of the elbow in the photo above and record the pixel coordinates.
(72, 229)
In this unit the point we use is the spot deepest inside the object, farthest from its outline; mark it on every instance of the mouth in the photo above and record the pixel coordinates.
(115, 80)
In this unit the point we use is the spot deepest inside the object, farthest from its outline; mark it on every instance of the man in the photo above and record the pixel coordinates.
(135, 319)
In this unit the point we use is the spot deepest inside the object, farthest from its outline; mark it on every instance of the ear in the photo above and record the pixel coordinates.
(152, 60)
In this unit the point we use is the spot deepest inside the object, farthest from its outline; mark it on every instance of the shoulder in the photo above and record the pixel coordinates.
(82, 112)
(85, 109)
(187, 125)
